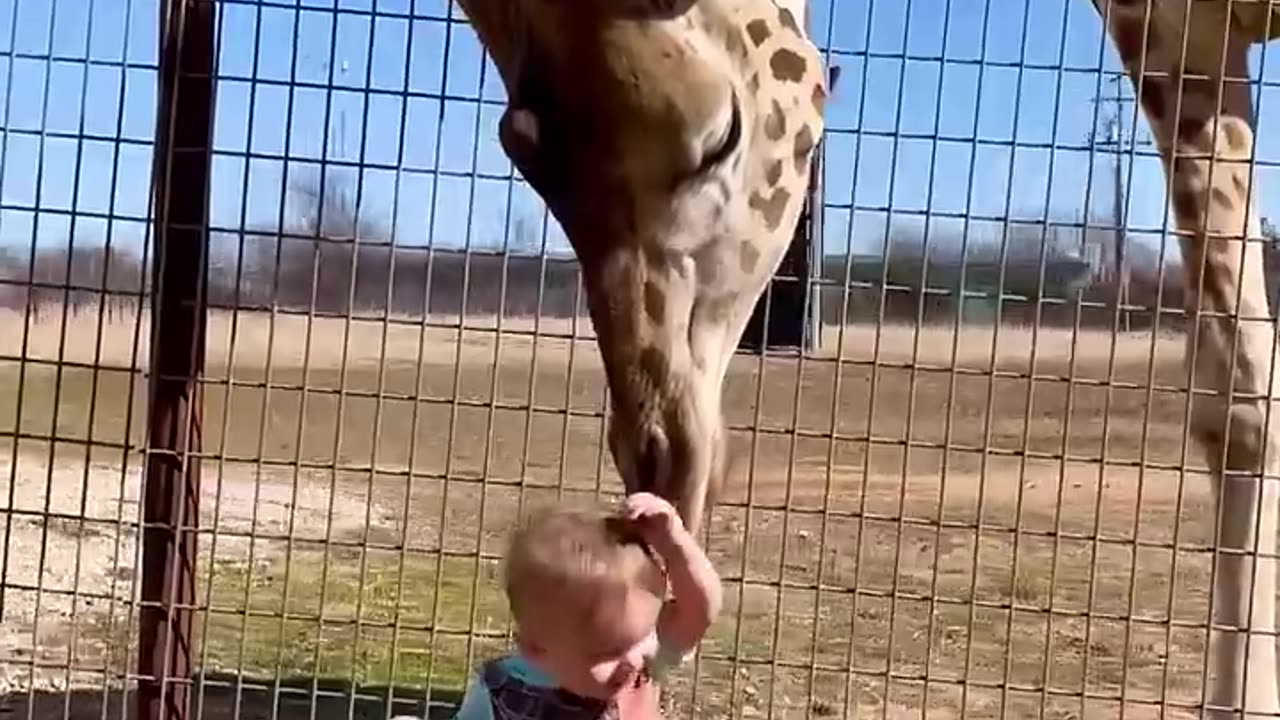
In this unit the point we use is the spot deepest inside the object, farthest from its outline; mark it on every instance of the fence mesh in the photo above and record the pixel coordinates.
(975, 495)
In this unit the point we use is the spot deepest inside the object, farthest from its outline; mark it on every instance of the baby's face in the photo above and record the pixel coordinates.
(597, 656)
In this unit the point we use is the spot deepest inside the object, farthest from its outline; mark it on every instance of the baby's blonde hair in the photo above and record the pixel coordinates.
(559, 552)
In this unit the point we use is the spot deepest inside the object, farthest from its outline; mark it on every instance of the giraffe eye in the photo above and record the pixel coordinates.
(728, 142)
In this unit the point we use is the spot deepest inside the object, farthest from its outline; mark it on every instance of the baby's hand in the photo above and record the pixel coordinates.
(695, 588)
(654, 517)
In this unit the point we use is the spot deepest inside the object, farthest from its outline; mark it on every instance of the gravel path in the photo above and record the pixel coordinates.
(83, 557)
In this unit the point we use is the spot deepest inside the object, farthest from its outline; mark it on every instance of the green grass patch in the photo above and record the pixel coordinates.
(380, 619)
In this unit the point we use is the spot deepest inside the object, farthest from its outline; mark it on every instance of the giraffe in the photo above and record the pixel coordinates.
(676, 161)
(673, 141)
(1187, 62)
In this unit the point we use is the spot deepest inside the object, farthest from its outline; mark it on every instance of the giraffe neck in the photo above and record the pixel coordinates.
(1190, 74)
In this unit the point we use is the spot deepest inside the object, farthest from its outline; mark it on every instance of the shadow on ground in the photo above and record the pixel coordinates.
(220, 699)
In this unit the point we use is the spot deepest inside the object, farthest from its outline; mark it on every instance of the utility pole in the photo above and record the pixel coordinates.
(1115, 141)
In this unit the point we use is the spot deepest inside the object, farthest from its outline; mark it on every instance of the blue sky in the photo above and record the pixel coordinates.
(77, 94)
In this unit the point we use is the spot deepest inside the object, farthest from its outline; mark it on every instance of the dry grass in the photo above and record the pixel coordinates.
(935, 597)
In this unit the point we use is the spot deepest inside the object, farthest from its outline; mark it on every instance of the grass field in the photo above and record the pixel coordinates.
(972, 514)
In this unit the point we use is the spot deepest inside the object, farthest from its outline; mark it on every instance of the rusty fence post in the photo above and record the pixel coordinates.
(171, 480)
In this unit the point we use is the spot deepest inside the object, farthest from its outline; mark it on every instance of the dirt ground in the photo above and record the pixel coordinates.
(913, 521)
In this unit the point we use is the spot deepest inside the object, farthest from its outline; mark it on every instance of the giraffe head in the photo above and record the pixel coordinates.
(672, 140)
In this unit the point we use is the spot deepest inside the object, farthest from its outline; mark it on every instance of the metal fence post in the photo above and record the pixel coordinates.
(795, 307)
(815, 281)
(817, 265)
(171, 481)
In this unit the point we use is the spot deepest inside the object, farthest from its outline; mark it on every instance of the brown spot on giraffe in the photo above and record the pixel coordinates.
(655, 301)
(748, 257)
(1154, 98)
(753, 83)
(787, 65)
(775, 123)
(773, 172)
(708, 268)
(1190, 184)
(804, 145)
(789, 21)
(758, 31)
(1238, 184)
(772, 207)
(1186, 205)
(717, 308)
(819, 97)
(1222, 198)
(1191, 129)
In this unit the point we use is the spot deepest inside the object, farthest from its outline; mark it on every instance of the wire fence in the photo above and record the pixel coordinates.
(968, 495)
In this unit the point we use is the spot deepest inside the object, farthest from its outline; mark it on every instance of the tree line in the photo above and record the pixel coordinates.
(330, 261)
(331, 277)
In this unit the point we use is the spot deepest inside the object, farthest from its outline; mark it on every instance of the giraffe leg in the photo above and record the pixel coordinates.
(1204, 129)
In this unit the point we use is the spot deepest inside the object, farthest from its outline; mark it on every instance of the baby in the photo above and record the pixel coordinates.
(595, 626)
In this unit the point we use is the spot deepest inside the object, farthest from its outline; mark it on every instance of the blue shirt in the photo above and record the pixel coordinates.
(476, 704)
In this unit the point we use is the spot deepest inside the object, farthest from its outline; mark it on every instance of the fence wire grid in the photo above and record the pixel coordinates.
(970, 493)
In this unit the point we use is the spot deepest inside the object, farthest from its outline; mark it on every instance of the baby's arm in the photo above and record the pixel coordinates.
(695, 594)
(695, 586)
